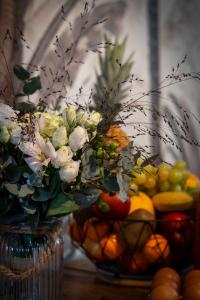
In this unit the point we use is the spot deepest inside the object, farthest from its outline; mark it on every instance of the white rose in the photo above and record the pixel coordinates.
(70, 171)
(78, 138)
(94, 119)
(15, 135)
(63, 156)
(59, 138)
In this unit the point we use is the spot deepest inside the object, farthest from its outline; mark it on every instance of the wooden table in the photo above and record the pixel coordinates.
(81, 282)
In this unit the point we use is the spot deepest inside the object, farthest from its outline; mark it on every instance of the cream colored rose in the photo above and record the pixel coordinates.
(70, 171)
(94, 119)
(49, 123)
(59, 137)
(63, 156)
(78, 138)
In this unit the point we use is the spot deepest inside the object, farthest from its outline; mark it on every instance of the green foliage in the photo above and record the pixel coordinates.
(32, 85)
(21, 73)
(62, 205)
(25, 107)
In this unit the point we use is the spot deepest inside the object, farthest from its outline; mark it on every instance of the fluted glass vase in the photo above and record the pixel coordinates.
(31, 264)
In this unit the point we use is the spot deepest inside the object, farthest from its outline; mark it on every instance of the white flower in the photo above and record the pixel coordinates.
(94, 119)
(59, 138)
(8, 116)
(81, 117)
(48, 123)
(63, 156)
(78, 138)
(15, 135)
(70, 171)
(40, 153)
(69, 116)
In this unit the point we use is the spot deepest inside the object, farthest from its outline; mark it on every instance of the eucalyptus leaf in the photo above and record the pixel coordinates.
(21, 73)
(20, 191)
(110, 184)
(25, 107)
(12, 174)
(32, 85)
(41, 195)
(124, 184)
(62, 205)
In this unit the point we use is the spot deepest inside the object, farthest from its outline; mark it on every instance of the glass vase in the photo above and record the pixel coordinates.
(31, 265)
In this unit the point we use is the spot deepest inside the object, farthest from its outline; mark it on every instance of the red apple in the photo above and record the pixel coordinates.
(111, 206)
(178, 228)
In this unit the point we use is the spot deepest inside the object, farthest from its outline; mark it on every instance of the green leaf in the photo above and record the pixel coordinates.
(41, 195)
(61, 205)
(12, 174)
(32, 85)
(87, 198)
(110, 184)
(21, 73)
(124, 184)
(25, 107)
(18, 190)
(54, 184)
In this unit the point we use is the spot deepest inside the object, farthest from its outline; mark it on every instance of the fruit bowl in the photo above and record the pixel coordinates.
(154, 227)
(135, 247)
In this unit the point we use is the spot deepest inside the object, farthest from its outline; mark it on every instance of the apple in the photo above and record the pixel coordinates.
(178, 228)
(111, 206)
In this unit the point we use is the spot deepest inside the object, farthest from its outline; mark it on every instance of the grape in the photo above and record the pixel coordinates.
(150, 169)
(176, 188)
(140, 178)
(180, 164)
(163, 171)
(150, 182)
(185, 174)
(175, 176)
(151, 192)
(165, 186)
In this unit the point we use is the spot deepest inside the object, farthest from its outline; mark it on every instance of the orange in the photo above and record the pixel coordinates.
(141, 201)
(111, 246)
(74, 232)
(93, 249)
(95, 229)
(156, 249)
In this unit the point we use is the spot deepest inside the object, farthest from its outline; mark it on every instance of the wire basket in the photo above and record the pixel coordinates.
(135, 248)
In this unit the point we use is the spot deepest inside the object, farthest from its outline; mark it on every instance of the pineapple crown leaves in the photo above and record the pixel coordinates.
(111, 87)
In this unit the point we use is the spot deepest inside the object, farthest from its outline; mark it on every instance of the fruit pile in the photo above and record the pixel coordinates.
(154, 227)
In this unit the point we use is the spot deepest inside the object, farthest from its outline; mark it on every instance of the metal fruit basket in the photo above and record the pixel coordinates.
(135, 248)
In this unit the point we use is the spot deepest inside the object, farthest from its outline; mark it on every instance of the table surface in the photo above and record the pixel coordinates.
(82, 282)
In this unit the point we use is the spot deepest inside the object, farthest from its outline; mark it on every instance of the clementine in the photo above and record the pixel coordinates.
(156, 249)
(111, 246)
(95, 229)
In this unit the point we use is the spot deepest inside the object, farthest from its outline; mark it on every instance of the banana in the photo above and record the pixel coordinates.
(173, 201)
